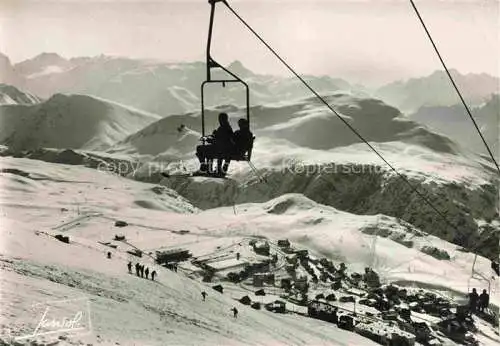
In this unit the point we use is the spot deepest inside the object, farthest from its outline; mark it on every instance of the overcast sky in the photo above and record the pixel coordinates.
(366, 41)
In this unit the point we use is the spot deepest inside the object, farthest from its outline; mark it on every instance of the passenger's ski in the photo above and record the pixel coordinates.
(192, 175)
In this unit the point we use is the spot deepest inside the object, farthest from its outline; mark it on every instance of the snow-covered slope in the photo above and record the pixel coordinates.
(132, 311)
(43, 199)
(83, 204)
(354, 179)
(165, 136)
(349, 238)
(305, 123)
(315, 126)
(302, 148)
(69, 121)
(10, 95)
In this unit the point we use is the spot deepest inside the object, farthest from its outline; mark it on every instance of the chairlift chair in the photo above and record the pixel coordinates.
(210, 65)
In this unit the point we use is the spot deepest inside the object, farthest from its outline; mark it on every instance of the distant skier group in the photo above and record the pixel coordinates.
(172, 266)
(141, 270)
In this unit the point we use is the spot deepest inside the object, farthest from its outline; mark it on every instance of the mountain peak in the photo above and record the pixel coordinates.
(442, 73)
(8, 74)
(239, 69)
(4, 57)
(42, 64)
(48, 56)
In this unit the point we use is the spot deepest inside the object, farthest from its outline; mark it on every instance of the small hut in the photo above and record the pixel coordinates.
(346, 322)
(256, 305)
(302, 254)
(331, 297)
(120, 223)
(63, 238)
(301, 284)
(284, 243)
(261, 248)
(218, 288)
(286, 283)
(319, 296)
(173, 255)
(259, 279)
(260, 292)
(245, 300)
(276, 306)
(135, 252)
(347, 299)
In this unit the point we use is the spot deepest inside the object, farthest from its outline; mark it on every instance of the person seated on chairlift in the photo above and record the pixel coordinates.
(242, 143)
(243, 139)
(219, 146)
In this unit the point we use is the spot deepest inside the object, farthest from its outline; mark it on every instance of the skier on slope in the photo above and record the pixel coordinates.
(235, 312)
(153, 274)
(129, 266)
(204, 295)
(146, 272)
(137, 269)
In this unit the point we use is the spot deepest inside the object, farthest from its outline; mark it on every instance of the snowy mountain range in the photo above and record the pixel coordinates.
(454, 122)
(107, 128)
(304, 123)
(168, 88)
(295, 126)
(157, 87)
(74, 121)
(437, 90)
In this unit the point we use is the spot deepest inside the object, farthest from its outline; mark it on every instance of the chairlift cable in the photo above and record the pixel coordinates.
(413, 188)
(454, 85)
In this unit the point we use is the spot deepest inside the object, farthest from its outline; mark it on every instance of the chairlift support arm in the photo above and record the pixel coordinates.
(212, 64)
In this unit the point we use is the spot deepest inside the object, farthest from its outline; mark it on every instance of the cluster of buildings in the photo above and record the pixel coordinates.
(383, 313)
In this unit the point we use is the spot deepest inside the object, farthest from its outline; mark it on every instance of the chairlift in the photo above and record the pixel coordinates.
(211, 65)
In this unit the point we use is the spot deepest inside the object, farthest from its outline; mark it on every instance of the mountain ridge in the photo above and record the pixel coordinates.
(436, 90)
(69, 122)
(10, 95)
